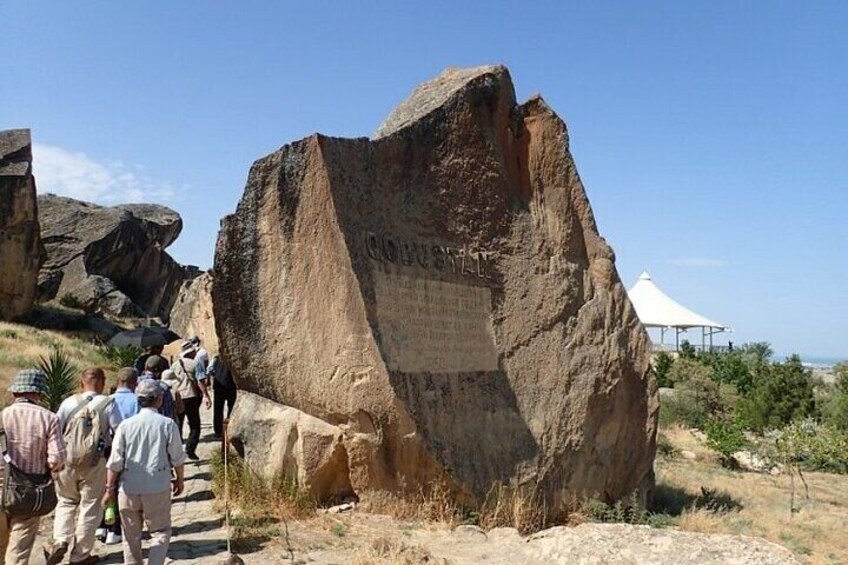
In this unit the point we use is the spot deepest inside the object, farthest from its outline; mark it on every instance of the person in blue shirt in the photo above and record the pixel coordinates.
(125, 399)
(127, 405)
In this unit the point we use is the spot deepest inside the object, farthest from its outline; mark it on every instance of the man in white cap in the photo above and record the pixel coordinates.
(192, 390)
(146, 447)
(34, 444)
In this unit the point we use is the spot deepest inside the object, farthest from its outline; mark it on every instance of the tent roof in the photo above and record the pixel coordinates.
(655, 309)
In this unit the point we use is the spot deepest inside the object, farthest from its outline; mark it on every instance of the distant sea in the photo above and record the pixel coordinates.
(818, 362)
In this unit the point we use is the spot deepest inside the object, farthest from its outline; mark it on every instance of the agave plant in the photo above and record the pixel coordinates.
(61, 377)
(121, 356)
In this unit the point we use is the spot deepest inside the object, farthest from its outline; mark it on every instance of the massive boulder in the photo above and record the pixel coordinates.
(111, 260)
(20, 245)
(441, 295)
(192, 312)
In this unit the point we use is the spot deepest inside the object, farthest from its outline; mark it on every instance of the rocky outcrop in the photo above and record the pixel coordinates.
(110, 259)
(192, 312)
(441, 295)
(20, 245)
(312, 450)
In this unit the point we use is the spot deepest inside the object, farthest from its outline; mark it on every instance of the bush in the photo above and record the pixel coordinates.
(782, 394)
(726, 438)
(662, 366)
(687, 350)
(836, 412)
(730, 368)
(71, 301)
(807, 445)
(697, 398)
(121, 356)
(61, 378)
(665, 447)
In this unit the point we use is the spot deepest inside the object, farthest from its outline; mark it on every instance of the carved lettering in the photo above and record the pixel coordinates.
(462, 261)
(372, 244)
(407, 253)
(421, 255)
(434, 326)
(438, 257)
(390, 248)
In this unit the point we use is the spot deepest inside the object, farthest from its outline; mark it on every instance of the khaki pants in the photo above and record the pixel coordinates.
(79, 511)
(155, 511)
(17, 536)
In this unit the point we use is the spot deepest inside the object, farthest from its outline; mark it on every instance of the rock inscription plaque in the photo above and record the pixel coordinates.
(434, 326)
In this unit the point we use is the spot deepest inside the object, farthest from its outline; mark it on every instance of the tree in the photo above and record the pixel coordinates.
(838, 405)
(662, 366)
(780, 395)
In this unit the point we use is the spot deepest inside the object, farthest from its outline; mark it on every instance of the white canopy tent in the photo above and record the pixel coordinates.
(656, 310)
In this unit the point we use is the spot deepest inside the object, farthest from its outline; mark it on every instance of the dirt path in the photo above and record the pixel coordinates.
(199, 535)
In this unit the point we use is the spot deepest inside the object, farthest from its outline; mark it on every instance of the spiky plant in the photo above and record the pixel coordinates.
(121, 356)
(61, 377)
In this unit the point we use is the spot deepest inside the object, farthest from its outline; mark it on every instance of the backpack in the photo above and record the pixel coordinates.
(85, 431)
(25, 495)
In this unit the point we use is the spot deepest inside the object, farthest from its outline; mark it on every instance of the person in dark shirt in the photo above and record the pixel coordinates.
(225, 391)
(142, 359)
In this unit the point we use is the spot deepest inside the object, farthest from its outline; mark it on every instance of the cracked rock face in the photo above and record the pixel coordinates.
(441, 296)
(111, 259)
(192, 312)
(20, 246)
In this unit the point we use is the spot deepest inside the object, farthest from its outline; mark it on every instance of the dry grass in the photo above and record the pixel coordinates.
(21, 347)
(815, 533)
(384, 551)
(436, 506)
(515, 508)
(260, 508)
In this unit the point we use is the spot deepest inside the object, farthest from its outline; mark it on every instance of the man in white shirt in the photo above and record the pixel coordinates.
(146, 448)
(79, 485)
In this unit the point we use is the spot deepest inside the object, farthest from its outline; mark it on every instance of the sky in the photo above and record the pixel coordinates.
(711, 137)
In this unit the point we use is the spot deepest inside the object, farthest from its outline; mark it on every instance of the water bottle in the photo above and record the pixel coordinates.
(111, 514)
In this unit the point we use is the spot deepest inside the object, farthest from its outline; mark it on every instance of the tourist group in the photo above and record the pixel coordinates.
(108, 464)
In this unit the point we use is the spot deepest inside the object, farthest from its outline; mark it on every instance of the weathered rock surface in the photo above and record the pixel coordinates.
(604, 543)
(111, 259)
(313, 450)
(192, 312)
(20, 245)
(441, 295)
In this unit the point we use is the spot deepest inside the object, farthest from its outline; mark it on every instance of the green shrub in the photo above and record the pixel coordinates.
(836, 412)
(665, 447)
(726, 438)
(807, 445)
(9, 334)
(661, 367)
(730, 367)
(687, 350)
(697, 398)
(71, 301)
(121, 356)
(624, 511)
(62, 376)
(782, 394)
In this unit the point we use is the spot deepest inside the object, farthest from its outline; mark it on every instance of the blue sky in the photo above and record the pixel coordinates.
(711, 138)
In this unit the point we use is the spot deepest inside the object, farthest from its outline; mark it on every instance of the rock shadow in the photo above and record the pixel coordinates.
(673, 500)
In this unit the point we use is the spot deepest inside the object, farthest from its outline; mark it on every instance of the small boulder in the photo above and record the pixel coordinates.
(279, 440)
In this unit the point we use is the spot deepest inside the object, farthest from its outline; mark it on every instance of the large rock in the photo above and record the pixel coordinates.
(21, 252)
(111, 259)
(313, 450)
(192, 312)
(440, 293)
